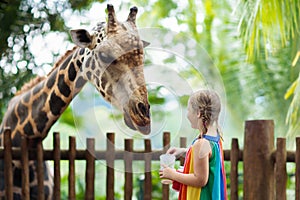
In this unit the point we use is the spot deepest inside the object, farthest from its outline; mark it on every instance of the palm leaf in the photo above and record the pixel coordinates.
(293, 119)
(274, 22)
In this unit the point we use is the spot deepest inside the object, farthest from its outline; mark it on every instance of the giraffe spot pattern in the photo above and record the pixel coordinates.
(109, 90)
(102, 93)
(22, 112)
(16, 141)
(89, 74)
(78, 63)
(39, 116)
(66, 63)
(93, 65)
(51, 80)
(37, 88)
(41, 121)
(97, 82)
(63, 86)
(12, 121)
(28, 130)
(56, 104)
(81, 51)
(38, 104)
(80, 82)
(87, 64)
(103, 81)
(72, 72)
(98, 73)
(27, 97)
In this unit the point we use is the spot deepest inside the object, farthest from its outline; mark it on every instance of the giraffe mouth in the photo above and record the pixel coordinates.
(138, 118)
(144, 129)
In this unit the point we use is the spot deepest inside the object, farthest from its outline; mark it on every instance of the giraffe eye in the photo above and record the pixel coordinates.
(105, 57)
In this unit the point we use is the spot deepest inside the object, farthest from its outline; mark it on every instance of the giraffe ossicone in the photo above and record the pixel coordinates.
(111, 58)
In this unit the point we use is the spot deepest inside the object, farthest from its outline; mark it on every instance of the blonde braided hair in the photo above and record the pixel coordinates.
(207, 104)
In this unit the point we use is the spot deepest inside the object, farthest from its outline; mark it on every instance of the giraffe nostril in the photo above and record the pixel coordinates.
(143, 109)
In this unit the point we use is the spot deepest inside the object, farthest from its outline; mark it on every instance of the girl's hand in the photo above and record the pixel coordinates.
(176, 151)
(167, 172)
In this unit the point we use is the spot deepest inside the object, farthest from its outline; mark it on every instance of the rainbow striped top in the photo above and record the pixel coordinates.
(215, 189)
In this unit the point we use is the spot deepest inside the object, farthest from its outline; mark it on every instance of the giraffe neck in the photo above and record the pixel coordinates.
(33, 112)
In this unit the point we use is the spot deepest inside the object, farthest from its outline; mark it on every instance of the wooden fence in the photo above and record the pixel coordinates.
(264, 167)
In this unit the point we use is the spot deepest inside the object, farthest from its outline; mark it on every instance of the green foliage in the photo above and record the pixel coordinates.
(80, 5)
(153, 98)
(268, 37)
(68, 118)
(292, 118)
(21, 20)
(156, 184)
(80, 187)
(274, 22)
(162, 8)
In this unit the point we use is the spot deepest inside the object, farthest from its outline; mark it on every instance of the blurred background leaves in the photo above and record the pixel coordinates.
(253, 44)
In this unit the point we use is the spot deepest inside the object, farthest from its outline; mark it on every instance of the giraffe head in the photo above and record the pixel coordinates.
(112, 60)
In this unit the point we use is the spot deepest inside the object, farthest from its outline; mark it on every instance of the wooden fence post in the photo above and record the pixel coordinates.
(56, 159)
(234, 161)
(148, 177)
(128, 157)
(8, 173)
(258, 165)
(90, 169)
(40, 169)
(280, 169)
(71, 178)
(110, 173)
(166, 146)
(25, 169)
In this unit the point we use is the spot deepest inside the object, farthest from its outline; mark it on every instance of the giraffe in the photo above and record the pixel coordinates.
(111, 58)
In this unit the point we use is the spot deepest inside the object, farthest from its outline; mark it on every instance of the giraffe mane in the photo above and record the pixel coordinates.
(62, 58)
(27, 86)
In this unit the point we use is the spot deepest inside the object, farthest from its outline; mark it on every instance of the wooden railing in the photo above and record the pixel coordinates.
(264, 167)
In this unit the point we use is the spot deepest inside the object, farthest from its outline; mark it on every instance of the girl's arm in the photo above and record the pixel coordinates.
(201, 169)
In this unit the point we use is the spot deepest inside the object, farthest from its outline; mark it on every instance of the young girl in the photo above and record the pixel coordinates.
(203, 175)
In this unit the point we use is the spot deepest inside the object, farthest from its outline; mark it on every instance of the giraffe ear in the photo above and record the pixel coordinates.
(81, 37)
(145, 43)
